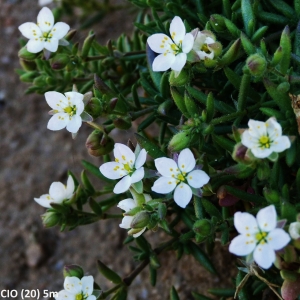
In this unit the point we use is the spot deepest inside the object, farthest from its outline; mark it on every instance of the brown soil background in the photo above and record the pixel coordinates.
(32, 157)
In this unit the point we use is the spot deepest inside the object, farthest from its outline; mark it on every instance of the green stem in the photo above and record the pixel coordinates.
(227, 117)
(110, 291)
(135, 115)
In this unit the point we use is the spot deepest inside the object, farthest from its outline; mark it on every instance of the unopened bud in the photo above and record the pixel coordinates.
(256, 64)
(87, 44)
(122, 123)
(272, 196)
(70, 35)
(94, 107)
(73, 271)
(27, 65)
(23, 53)
(202, 227)
(50, 219)
(99, 143)
(140, 220)
(181, 140)
(59, 61)
(29, 76)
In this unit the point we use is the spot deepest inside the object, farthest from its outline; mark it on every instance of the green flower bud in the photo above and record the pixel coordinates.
(70, 34)
(283, 87)
(140, 220)
(73, 271)
(288, 275)
(272, 196)
(256, 64)
(94, 107)
(181, 140)
(181, 79)
(122, 123)
(99, 143)
(60, 61)
(29, 76)
(87, 44)
(23, 53)
(40, 81)
(27, 65)
(202, 227)
(50, 219)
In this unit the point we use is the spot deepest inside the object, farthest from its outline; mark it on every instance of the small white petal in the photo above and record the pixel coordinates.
(91, 297)
(177, 30)
(197, 178)
(202, 55)
(45, 19)
(64, 295)
(257, 128)
(127, 204)
(163, 62)
(179, 62)
(51, 45)
(135, 235)
(277, 239)
(137, 175)
(141, 159)
(123, 185)
(199, 41)
(248, 140)
(58, 121)
(74, 124)
(112, 170)
(187, 43)
(294, 230)
(261, 153)
(273, 127)
(159, 42)
(70, 187)
(182, 195)
(245, 223)
(30, 30)
(267, 218)
(44, 200)
(264, 255)
(57, 191)
(166, 166)
(164, 185)
(59, 30)
(124, 154)
(242, 245)
(126, 222)
(281, 144)
(186, 160)
(72, 285)
(34, 46)
(75, 97)
(56, 100)
(87, 285)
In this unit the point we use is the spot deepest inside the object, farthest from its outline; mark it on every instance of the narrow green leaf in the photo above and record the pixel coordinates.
(248, 16)
(222, 292)
(173, 294)
(244, 195)
(199, 296)
(211, 209)
(108, 273)
(152, 149)
(94, 170)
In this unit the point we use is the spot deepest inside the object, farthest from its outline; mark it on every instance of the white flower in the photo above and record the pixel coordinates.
(173, 52)
(44, 34)
(66, 110)
(259, 236)
(294, 230)
(126, 166)
(75, 289)
(264, 138)
(203, 44)
(58, 192)
(180, 177)
(127, 205)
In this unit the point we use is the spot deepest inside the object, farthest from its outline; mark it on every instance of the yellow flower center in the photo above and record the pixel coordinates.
(79, 297)
(260, 236)
(180, 177)
(127, 168)
(47, 36)
(70, 110)
(265, 142)
(205, 49)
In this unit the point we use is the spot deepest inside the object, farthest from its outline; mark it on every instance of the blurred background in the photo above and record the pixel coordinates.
(32, 157)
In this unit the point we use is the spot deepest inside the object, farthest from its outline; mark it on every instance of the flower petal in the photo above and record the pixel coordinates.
(91, 297)
(72, 285)
(137, 175)
(278, 238)
(166, 166)
(64, 295)
(30, 30)
(59, 30)
(113, 170)
(179, 62)
(267, 218)
(58, 121)
(70, 187)
(261, 153)
(74, 124)
(123, 185)
(257, 128)
(159, 42)
(127, 204)
(242, 245)
(199, 41)
(177, 30)
(245, 223)
(186, 160)
(45, 19)
(187, 43)
(57, 191)
(135, 235)
(294, 230)
(34, 46)
(281, 144)
(44, 200)
(87, 285)
(164, 185)
(141, 159)
(56, 101)
(163, 62)
(248, 140)
(264, 255)
(126, 221)
(182, 195)
(273, 128)
(203, 55)
(197, 178)
(123, 154)
(51, 45)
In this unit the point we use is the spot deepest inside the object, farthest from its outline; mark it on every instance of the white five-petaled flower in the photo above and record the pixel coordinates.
(173, 51)
(126, 166)
(44, 34)
(259, 236)
(179, 176)
(76, 289)
(127, 205)
(264, 138)
(205, 44)
(57, 193)
(66, 110)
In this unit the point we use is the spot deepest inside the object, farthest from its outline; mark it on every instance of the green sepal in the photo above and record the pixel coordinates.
(247, 45)
(231, 55)
(248, 17)
(138, 186)
(173, 294)
(285, 43)
(96, 208)
(86, 183)
(211, 209)
(259, 34)
(108, 273)
(73, 271)
(179, 101)
(190, 104)
(277, 57)
(87, 44)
